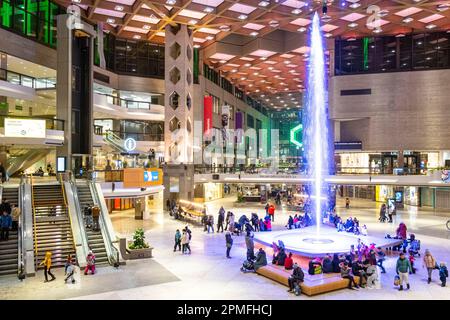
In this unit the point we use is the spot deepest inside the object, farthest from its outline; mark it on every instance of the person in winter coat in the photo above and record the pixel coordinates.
(250, 245)
(289, 263)
(177, 241)
(90, 266)
(185, 239)
(271, 212)
(383, 213)
(430, 263)
(327, 264)
(227, 219)
(15, 215)
(70, 271)
(47, 263)
(335, 263)
(231, 221)
(443, 274)
(296, 278)
(220, 219)
(403, 267)
(401, 231)
(262, 225)
(255, 221)
(345, 274)
(261, 259)
(5, 224)
(229, 243)
(372, 275)
(268, 225)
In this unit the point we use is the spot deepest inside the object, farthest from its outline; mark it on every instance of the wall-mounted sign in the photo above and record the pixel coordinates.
(129, 144)
(207, 116)
(61, 164)
(151, 176)
(24, 128)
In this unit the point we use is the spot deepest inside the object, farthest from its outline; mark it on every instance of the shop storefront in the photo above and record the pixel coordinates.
(204, 192)
(412, 196)
(356, 162)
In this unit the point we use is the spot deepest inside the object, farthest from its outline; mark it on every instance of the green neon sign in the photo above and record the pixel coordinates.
(294, 133)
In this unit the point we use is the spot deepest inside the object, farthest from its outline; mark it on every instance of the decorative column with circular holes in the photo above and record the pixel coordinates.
(178, 127)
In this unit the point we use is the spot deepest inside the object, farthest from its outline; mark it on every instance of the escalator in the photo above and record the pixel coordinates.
(114, 141)
(25, 160)
(9, 250)
(95, 239)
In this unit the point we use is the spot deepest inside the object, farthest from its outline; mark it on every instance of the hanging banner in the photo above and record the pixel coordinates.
(239, 124)
(207, 116)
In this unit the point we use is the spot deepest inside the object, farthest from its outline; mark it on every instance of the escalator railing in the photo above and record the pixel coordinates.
(114, 140)
(111, 241)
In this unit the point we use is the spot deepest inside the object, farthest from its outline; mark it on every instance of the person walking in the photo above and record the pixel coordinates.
(47, 263)
(186, 239)
(250, 245)
(210, 223)
(227, 219)
(267, 208)
(168, 205)
(231, 221)
(347, 203)
(381, 257)
(15, 215)
(272, 212)
(220, 219)
(403, 268)
(177, 241)
(70, 271)
(5, 225)
(90, 266)
(430, 263)
(443, 274)
(229, 243)
(383, 213)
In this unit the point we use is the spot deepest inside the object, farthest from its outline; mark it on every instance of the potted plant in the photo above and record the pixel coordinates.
(138, 248)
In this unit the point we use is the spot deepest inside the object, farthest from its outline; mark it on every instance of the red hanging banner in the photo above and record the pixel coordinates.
(207, 115)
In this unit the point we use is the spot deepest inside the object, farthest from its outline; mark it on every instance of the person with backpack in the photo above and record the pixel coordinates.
(228, 243)
(296, 278)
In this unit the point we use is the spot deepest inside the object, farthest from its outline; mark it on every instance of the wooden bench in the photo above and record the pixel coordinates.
(311, 285)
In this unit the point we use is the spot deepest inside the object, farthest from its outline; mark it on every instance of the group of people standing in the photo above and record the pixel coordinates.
(9, 219)
(182, 240)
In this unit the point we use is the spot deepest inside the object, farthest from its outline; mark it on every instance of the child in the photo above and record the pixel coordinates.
(443, 274)
(411, 261)
(70, 271)
(363, 230)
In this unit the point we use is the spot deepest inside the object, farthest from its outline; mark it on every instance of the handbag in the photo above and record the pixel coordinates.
(397, 280)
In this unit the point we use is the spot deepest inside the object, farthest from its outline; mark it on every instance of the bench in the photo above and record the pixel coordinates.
(190, 213)
(312, 284)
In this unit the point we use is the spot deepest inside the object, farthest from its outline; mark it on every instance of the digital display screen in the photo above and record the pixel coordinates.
(61, 164)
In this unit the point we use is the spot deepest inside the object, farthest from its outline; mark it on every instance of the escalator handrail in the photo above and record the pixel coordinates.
(110, 248)
(34, 224)
(20, 229)
(84, 239)
(67, 208)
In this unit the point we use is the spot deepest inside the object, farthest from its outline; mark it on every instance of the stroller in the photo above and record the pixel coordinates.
(248, 266)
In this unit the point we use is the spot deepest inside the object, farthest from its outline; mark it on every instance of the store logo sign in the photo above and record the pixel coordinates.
(129, 144)
(150, 176)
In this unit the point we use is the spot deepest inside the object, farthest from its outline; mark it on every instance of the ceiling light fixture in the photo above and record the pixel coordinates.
(377, 30)
(400, 35)
(193, 21)
(355, 5)
(196, 46)
(136, 36)
(225, 28)
(209, 38)
(263, 3)
(242, 17)
(353, 24)
(383, 13)
(430, 26)
(254, 33)
(274, 23)
(326, 18)
(146, 27)
(110, 20)
(296, 11)
(118, 8)
(302, 29)
(407, 20)
(442, 7)
(171, 2)
(208, 9)
(328, 35)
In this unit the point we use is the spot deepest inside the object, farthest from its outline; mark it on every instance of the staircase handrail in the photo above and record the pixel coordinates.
(20, 231)
(34, 224)
(114, 139)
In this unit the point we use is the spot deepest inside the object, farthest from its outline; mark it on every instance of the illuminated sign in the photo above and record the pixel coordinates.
(293, 134)
(24, 128)
(150, 176)
(129, 144)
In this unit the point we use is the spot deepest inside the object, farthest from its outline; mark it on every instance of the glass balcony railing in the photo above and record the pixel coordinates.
(129, 104)
(27, 81)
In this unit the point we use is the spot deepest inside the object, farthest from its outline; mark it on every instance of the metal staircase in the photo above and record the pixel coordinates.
(52, 225)
(9, 249)
(95, 239)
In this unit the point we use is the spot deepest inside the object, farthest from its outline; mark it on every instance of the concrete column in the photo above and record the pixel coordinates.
(185, 175)
(400, 159)
(3, 156)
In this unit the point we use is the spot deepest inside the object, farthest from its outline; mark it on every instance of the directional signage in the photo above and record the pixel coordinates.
(129, 144)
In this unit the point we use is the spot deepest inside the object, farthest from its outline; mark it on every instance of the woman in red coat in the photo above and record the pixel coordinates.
(288, 262)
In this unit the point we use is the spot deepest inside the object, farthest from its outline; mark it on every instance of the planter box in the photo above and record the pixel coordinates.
(133, 254)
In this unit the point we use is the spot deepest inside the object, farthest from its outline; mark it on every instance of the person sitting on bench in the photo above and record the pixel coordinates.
(296, 278)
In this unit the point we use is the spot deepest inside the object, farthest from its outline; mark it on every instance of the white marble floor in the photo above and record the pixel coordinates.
(207, 274)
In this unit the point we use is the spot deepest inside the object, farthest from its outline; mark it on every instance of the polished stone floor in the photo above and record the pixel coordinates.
(207, 274)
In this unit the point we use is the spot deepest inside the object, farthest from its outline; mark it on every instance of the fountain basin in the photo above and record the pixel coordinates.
(305, 241)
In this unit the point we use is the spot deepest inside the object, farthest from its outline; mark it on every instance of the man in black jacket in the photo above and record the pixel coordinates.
(296, 277)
